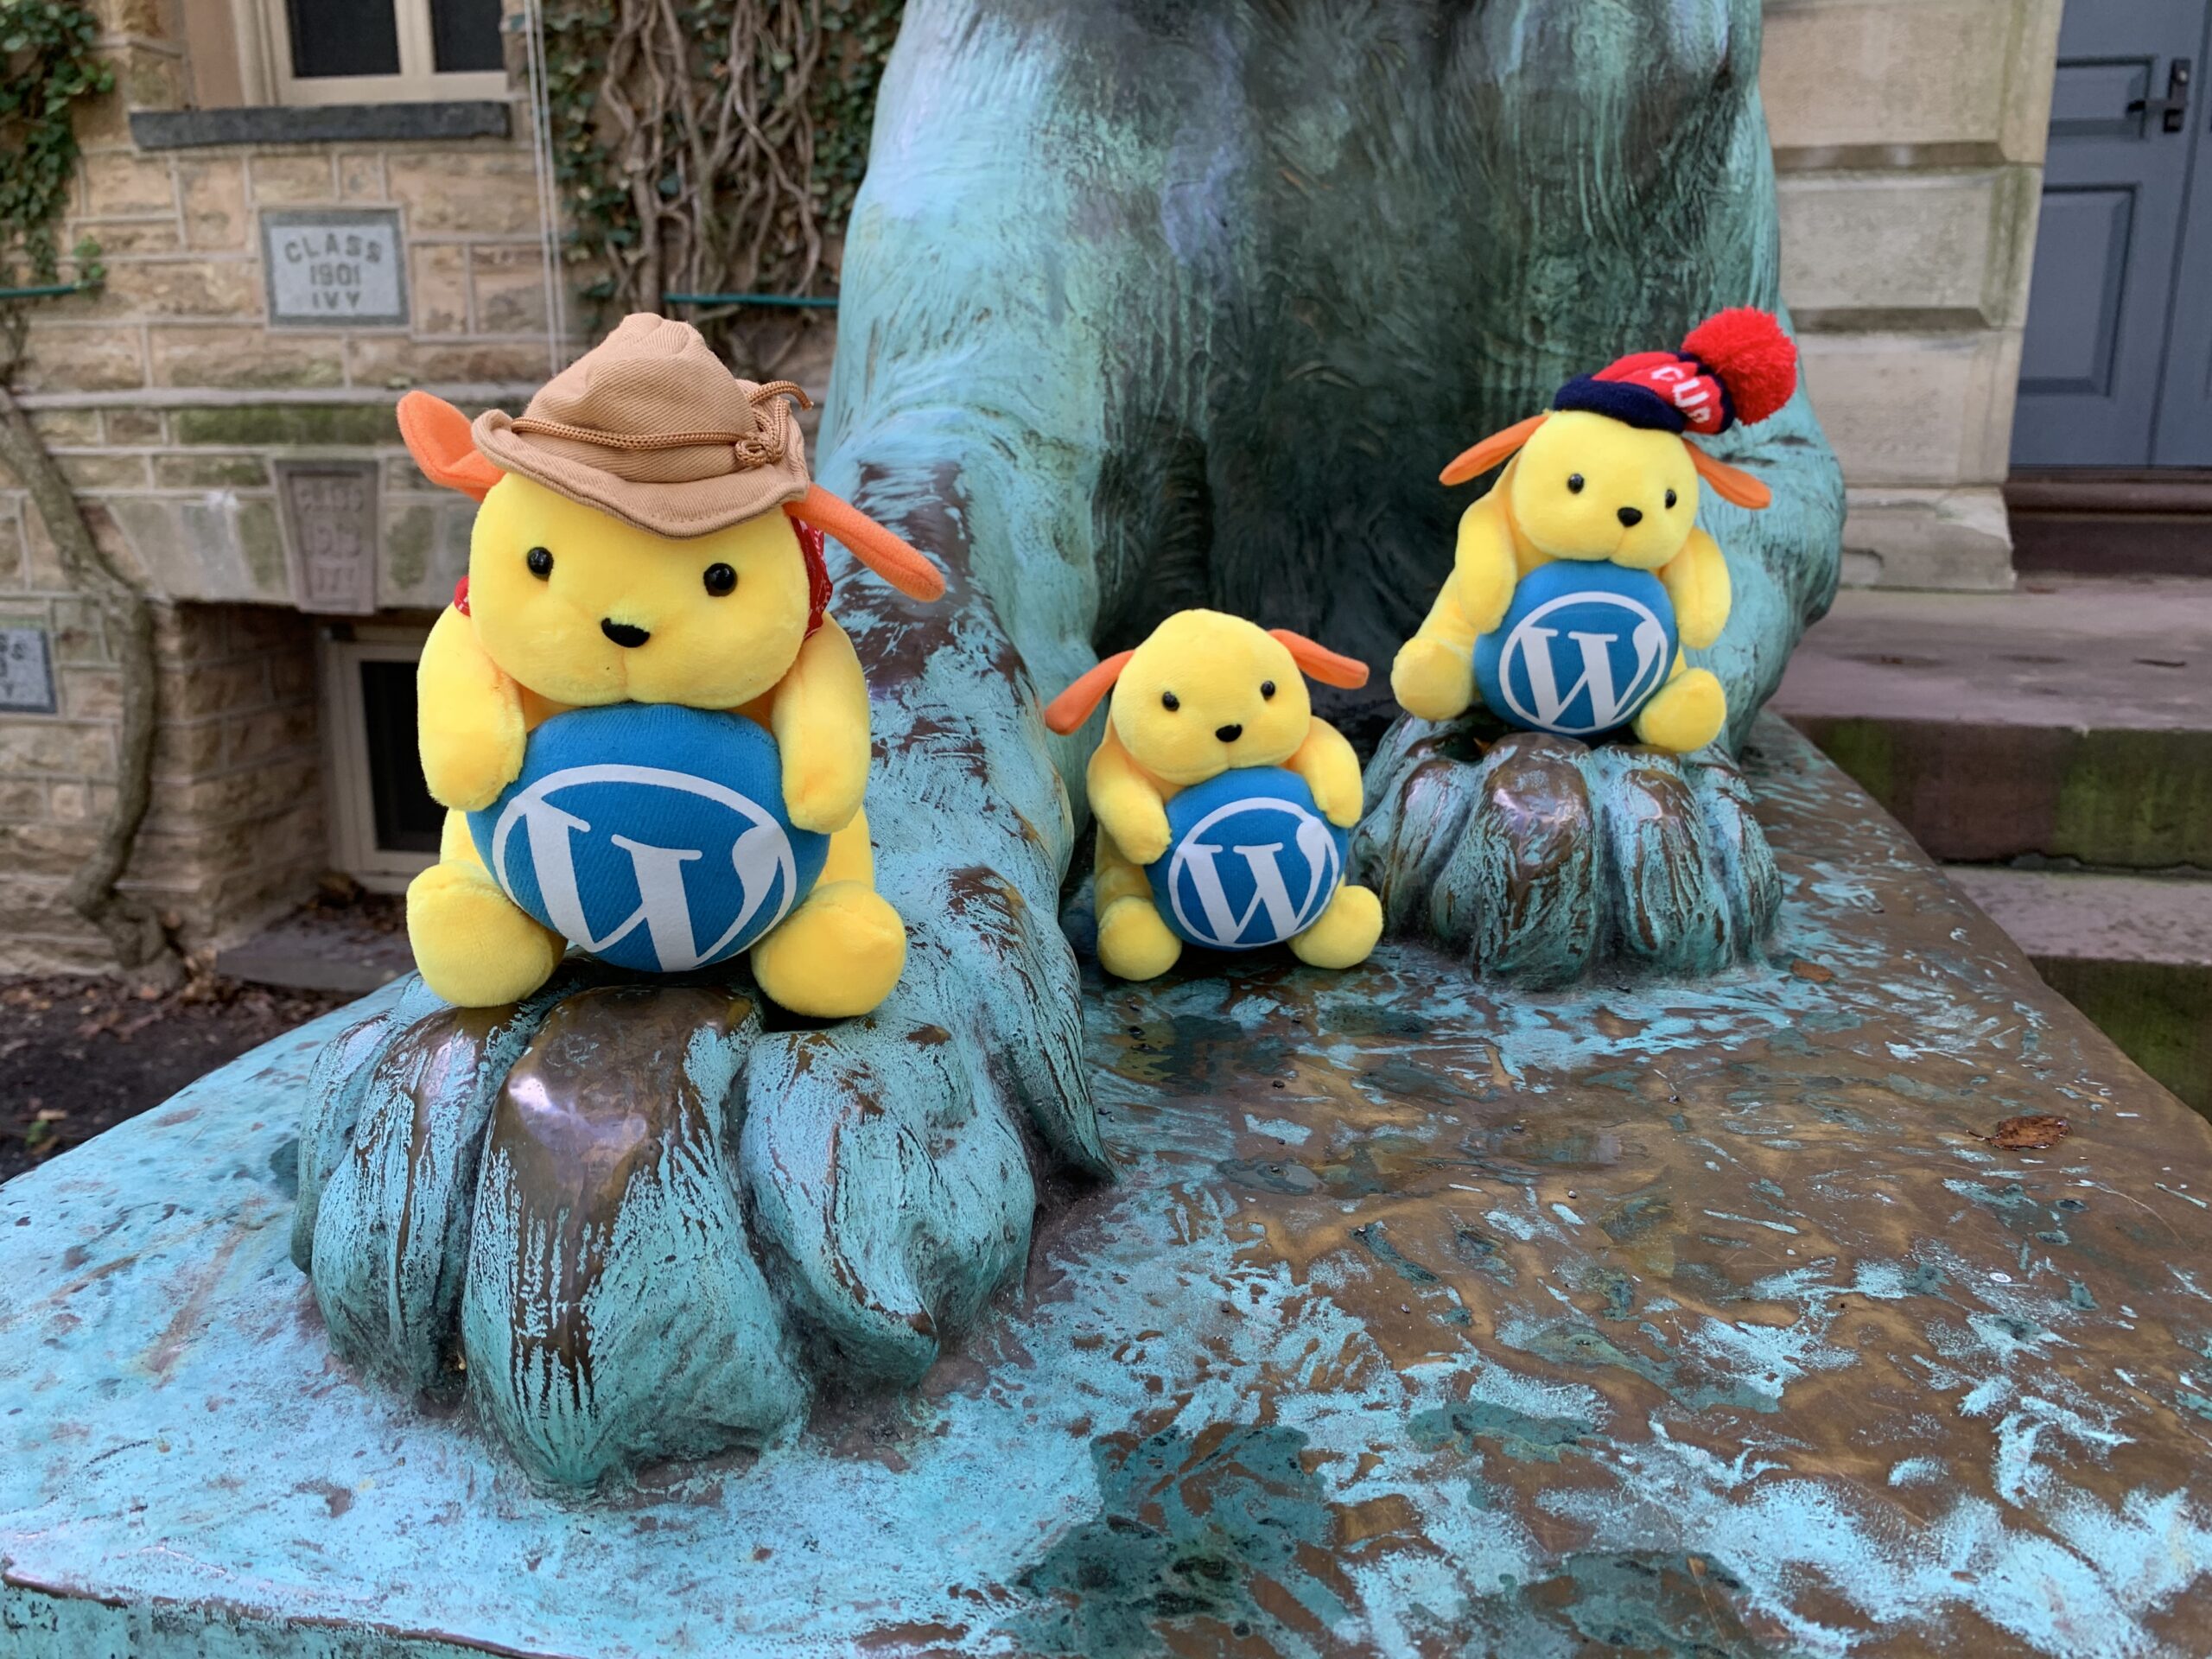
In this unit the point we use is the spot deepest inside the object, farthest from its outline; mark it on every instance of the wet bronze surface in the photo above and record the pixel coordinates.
(597, 1094)
(1542, 861)
(1423, 1319)
(1728, 1299)
(601, 1282)
(392, 1295)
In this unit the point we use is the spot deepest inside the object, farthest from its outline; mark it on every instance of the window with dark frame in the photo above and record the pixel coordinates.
(351, 38)
(343, 37)
(465, 36)
(406, 819)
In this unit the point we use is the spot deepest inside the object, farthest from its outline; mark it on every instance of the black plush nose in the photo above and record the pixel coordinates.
(1630, 517)
(1229, 734)
(622, 633)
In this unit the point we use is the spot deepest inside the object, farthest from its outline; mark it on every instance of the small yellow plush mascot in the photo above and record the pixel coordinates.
(1608, 477)
(649, 535)
(1223, 802)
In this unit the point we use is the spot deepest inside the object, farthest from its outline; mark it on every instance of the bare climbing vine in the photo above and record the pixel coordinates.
(712, 147)
(48, 66)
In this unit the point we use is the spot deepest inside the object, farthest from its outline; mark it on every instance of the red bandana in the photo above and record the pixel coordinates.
(817, 575)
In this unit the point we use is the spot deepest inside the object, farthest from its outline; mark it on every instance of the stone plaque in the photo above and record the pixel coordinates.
(26, 671)
(335, 266)
(329, 510)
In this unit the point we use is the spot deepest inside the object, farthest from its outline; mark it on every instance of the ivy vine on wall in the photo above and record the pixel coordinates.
(47, 65)
(712, 147)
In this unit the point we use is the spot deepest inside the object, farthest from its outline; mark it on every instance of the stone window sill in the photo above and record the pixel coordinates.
(308, 124)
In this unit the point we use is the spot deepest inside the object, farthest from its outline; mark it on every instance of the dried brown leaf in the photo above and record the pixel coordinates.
(2032, 1133)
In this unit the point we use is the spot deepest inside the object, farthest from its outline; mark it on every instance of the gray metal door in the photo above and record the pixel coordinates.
(2118, 301)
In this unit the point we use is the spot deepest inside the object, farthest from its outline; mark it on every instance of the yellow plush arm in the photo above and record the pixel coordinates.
(1483, 569)
(820, 716)
(470, 727)
(1127, 802)
(1326, 761)
(1697, 582)
(1433, 675)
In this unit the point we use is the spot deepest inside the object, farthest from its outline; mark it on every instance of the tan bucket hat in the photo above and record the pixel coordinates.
(651, 425)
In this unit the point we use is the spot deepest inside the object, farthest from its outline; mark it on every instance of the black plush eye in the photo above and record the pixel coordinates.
(1267, 689)
(1170, 701)
(540, 561)
(1575, 483)
(720, 579)
(1670, 497)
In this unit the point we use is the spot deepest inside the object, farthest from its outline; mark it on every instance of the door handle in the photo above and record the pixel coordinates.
(2172, 110)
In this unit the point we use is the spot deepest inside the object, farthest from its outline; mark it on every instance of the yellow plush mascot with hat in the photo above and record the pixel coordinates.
(1609, 475)
(649, 534)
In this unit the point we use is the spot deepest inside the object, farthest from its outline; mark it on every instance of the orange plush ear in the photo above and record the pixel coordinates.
(1727, 482)
(1474, 463)
(436, 435)
(871, 543)
(1067, 712)
(1320, 663)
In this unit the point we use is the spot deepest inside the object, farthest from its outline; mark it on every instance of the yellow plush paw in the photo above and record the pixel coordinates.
(822, 790)
(1484, 576)
(1139, 826)
(1134, 942)
(1339, 794)
(1432, 681)
(466, 763)
(473, 947)
(1688, 713)
(837, 956)
(1346, 932)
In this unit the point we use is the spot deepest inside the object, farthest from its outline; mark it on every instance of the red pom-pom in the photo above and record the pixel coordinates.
(1754, 359)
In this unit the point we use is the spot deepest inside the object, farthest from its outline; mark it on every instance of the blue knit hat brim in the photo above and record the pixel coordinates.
(1620, 400)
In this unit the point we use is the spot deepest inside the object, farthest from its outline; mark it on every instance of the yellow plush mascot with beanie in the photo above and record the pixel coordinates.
(1610, 476)
(649, 534)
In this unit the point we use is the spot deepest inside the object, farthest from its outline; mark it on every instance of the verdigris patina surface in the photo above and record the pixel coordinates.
(1144, 306)
(1699, 1320)
(1679, 1305)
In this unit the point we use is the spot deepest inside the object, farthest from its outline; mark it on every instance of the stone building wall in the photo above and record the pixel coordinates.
(236, 826)
(167, 394)
(168, 397)
(1907, 134)
(1909, 140)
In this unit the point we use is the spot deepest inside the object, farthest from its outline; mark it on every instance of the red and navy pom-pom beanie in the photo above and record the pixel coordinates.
(1737, 365)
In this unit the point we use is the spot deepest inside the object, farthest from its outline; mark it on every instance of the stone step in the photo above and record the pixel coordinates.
(2132, 952)
(2071, 719)
(316, 949)
(2110, 522)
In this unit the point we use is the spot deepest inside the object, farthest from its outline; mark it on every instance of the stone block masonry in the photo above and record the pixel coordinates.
(1908, 140)
(173, 399)
(235, 830)
(171, 396)
(168, 392)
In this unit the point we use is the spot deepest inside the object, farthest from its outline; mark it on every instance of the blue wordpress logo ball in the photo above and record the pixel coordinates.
(652, 836)
(1251, 862)
(1582, 649)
